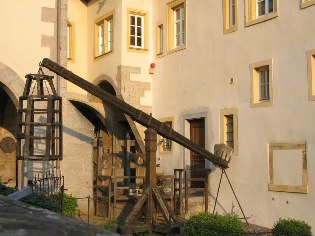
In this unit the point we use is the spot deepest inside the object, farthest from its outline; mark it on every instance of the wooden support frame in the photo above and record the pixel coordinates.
(151, 200)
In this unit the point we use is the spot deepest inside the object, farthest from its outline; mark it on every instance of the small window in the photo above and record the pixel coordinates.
(166, 145)
(137, 32)
(230, 16)
(311, 74)
(258, 11)
(307, 3)
(70, 41)
(176, 24)
(261, 84)
(160, 40)
(264, 7)
(229, 131)
(100, 39)
(104, 35)
(179, 25)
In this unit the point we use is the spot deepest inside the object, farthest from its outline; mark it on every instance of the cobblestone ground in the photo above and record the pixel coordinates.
(20, 219)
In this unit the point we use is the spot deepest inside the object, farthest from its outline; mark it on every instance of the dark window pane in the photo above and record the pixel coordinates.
(132, 30)
(132, 20)
(139, 31)
(132, 41)
(270, 6)
(139, 21)
(139, 42)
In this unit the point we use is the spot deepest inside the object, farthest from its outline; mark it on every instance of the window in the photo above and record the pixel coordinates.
(261, 83)
(137, 31)
(307, 3)
(260, 10)
(229, 129)
(166, 145)
(288, 167)
(104, 35)
(264, 7)
(160, 40)
(230, 16)
(311, 74)
(176, 20)
(179, 26)
(70, 41)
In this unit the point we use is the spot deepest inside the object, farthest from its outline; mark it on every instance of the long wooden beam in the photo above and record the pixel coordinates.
(136, 114)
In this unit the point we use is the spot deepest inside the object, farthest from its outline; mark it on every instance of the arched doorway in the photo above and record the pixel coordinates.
(8, 125)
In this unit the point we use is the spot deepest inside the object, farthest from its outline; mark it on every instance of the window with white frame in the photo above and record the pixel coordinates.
(261, 83)
(176, 25)
(264, 7)
(104, 35)
(258, 11)
(179, 24)
(136, 31)
(110, 34)
(230, 16)
(100, 39)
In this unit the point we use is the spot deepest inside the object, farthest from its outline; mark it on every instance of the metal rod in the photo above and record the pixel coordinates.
(235, 196)
(216, 198)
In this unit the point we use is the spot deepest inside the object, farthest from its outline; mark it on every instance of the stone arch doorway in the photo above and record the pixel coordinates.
(8, 126)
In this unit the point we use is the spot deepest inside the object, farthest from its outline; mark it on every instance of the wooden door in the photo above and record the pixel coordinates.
(197, 162)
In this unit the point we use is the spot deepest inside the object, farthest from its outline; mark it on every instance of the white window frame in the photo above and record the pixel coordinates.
(264, 93)
(252, 11)
(100, 39)
(266, 10)
(110, 35)
(258, 99)
(136, 31)
(104, 34)
(179, 22)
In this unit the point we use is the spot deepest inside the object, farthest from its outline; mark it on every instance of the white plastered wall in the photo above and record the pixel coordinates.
(199, 76)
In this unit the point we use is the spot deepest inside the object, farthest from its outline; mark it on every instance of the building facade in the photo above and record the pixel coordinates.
(235, 72)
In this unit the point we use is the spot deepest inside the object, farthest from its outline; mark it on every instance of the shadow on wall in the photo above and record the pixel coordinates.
(78, 135)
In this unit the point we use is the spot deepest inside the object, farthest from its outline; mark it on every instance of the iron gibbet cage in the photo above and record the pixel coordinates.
(39, 131)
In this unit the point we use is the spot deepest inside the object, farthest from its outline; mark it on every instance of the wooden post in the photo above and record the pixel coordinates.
(150, 148)
(127, 162)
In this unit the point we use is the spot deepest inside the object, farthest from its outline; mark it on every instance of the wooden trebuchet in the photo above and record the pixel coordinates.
(136, 114)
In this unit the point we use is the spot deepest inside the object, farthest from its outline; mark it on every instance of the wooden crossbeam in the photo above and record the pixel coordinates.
(137, 115)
